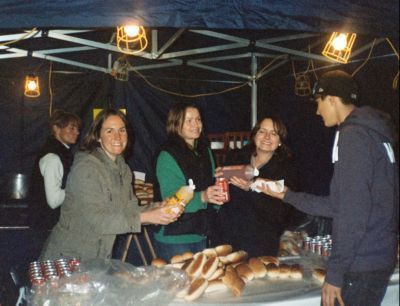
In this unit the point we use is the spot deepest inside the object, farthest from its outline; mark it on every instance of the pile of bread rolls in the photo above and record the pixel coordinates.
(143, 191)
(291, 243)
(218, 269)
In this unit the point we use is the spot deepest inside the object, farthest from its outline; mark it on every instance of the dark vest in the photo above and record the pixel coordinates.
(196, 165)
(41, 215)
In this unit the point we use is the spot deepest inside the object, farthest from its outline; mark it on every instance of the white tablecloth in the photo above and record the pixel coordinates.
(311, 298)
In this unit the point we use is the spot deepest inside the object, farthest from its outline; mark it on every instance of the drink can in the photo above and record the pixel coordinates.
(318, 248)
(326, 249)
(307, 244)
(313, 245)
(74, 264)
(38, 281)
(223, 184)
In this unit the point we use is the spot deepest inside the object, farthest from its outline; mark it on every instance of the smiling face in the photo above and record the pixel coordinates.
(113, 136)
(267, 139)
(67, 135)
(192, 126)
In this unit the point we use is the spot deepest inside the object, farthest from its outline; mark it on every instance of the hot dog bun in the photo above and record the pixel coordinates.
(245, 272)
(195, 267)
(223, 250)
(209, 267)
(216, 285)
(196, 289)
(258, 268)
(233, 281)
(269, 259)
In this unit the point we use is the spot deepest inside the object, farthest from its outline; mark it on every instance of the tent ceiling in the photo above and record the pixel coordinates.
(203, 49)
(192, 33)
(368, 17)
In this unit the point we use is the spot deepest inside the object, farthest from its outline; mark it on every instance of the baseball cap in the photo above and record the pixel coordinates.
(336, 83)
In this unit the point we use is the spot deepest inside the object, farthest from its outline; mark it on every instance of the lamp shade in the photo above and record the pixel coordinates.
(131, 39)
(32, 88)
(339, 46)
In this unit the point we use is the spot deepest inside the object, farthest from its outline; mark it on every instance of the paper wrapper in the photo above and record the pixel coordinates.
(276, 186)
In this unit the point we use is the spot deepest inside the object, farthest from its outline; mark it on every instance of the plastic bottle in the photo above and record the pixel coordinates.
(245, 172)
(181, 197)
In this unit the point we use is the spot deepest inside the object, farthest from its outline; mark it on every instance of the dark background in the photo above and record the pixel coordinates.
(24, 121)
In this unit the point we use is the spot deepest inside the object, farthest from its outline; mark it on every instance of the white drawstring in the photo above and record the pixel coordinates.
(335, 150)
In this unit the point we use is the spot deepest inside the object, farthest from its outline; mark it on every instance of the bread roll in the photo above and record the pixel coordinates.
(223, 250)
(211, 252)
(284, 271)
(187, 255)
(196, 289)
(245, 272)
(269, 259)
(185, 264)
(216, 285)
(233, 281)
(319, 275)
(177, 265)
(195, 267)
(296, 272)
(158, 262)
(217, 274)
(258, 268)
(223, 260)
(209, 267)
(272, 270)
(176, 258)
(237, 256)
(235, 264)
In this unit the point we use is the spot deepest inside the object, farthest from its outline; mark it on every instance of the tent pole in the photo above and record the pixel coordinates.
(253, 90)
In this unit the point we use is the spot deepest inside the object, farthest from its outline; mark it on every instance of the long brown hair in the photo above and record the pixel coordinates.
(176, 119)
(91, 139)
(283, 150)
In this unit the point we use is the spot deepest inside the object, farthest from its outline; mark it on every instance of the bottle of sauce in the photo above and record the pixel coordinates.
(181, 197)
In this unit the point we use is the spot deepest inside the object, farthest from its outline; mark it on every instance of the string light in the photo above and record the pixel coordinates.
(131, 39)
(339, 46)
(32, 88)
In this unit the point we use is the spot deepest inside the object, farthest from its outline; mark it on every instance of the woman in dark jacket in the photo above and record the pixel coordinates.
(251, 221)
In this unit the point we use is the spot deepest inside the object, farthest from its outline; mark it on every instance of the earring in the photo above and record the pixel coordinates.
(279, 145)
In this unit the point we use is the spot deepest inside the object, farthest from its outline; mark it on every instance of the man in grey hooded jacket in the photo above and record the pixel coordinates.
(363, 199)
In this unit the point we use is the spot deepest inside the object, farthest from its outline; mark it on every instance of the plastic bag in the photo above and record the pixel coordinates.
(111, 282)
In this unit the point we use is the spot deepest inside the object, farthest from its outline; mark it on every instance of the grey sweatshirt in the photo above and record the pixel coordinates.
(363, 199)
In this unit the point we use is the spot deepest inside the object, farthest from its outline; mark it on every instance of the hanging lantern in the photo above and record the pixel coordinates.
(302, 85)
(32, 88)
(131, 39)
(120, 70)
(339, 46)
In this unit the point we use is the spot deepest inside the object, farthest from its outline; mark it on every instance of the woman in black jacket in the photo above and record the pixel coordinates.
(252, 221)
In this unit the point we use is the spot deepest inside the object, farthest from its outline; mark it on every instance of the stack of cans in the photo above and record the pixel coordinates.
(51, 270)
(321, 245)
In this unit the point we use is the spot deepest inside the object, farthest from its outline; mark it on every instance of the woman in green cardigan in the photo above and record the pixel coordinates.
(186, 155)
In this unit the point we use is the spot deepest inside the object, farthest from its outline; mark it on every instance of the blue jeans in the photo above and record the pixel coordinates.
(167, 250)
(365, 288)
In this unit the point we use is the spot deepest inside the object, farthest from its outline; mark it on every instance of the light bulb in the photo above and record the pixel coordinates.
(340, 42)
(132, 30)
(32, 85)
